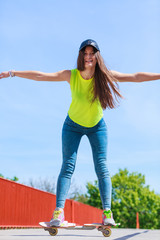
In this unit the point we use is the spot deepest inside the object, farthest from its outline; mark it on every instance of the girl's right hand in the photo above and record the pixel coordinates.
(4, 75)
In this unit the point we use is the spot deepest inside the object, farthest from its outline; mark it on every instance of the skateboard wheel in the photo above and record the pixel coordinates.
(107, 232)
(53, 232)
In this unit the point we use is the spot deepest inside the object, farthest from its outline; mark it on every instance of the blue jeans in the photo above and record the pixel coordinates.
(71, 136)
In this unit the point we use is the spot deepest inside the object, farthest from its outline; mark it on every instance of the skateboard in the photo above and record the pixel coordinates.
(53, 230)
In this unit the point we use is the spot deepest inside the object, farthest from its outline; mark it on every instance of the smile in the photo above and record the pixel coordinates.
(89, 61)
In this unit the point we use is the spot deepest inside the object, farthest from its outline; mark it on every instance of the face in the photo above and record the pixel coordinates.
(89, 57)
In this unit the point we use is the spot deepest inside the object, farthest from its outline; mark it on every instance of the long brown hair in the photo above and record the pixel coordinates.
(105, 87)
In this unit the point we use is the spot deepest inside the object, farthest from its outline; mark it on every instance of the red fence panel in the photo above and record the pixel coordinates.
(21, 205)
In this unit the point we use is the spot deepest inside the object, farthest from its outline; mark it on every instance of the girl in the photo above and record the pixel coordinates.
(93, 89)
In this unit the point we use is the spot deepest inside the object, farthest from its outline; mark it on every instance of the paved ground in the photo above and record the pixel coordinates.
(63, 234)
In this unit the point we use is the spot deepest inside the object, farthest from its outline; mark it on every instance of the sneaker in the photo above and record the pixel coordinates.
(107, 217)
(58, 218)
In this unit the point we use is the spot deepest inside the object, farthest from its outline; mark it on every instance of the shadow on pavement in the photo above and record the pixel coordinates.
(129, 236)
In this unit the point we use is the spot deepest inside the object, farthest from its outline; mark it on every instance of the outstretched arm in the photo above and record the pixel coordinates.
(135, 77)
(63, 75)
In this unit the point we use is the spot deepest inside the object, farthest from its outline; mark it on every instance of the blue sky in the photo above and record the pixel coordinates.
(45, 36)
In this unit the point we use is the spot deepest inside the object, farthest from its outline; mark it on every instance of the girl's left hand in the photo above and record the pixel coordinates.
(4, 75)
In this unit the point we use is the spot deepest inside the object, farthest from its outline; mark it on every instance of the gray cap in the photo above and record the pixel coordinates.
(89, 42)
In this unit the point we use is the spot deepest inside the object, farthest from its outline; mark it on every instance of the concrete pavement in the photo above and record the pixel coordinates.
(63, 234)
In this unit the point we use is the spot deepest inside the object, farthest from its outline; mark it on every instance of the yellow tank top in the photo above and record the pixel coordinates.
(82, 111)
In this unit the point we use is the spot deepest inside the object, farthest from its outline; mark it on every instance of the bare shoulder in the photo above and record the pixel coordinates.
(123, 77)
(116, 74)
(65, 75)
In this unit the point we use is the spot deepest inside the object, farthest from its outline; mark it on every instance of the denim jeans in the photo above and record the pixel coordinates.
(71, 136)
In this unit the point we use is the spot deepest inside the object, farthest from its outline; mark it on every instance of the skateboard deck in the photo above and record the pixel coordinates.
(53, 230)
(101, 225)
(65, 224)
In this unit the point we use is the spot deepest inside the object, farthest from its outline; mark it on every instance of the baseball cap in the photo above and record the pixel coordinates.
(89, 42)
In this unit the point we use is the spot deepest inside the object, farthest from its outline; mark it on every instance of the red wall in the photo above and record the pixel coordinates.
(21, 205)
